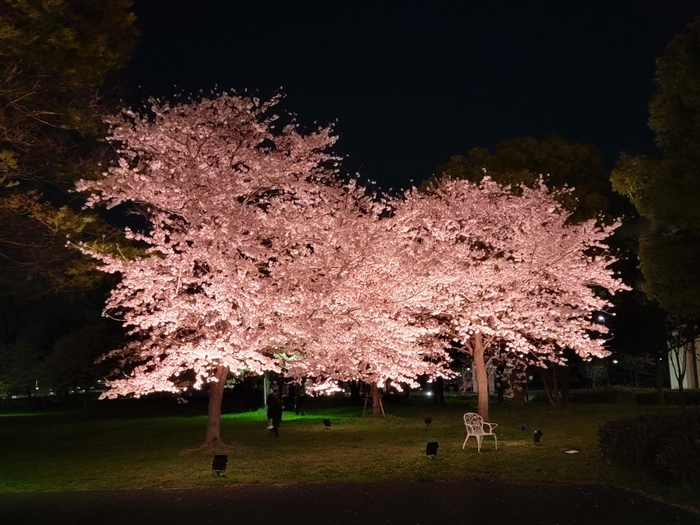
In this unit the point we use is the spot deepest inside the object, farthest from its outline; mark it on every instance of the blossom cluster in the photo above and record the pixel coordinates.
(261, 258)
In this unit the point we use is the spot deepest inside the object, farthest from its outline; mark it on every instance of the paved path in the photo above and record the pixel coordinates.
(482, 503)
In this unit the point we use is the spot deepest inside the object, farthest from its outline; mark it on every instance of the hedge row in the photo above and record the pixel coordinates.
(624, 395)
(667, 447)
(604, 395)
(671, 397)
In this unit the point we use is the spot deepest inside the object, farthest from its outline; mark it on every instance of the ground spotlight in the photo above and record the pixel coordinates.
(428, 420)
(219, 463)
(327, 423)
(431, 449)
(537, 437)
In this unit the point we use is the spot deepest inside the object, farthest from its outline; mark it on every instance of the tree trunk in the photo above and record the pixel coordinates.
(297, 398)
(376, 401)
(518, 395)
(355, 391)
(565, 395)
(659, 380)
(216, 395)
(500, 379)
(551, 392)
(682, 370)
(695, 364)
(482, 379)
(519, 381)
(439, 391)
(266, 387)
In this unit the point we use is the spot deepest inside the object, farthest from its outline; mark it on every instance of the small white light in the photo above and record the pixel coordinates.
(428, 393)
(601, 318)
(614, 361)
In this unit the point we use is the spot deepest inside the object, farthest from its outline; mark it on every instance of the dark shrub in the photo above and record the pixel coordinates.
(692, 397)
(610, 395)
(668, 447)
(671, 397)
(646, 398)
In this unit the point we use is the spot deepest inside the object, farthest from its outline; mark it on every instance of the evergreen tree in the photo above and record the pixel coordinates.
(55, 57)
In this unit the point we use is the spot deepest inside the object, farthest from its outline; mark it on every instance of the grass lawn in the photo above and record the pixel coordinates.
(67, 451)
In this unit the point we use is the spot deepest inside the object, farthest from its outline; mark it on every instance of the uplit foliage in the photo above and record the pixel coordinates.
(258, 251)
(508, 270)
(261, 259)
(259, 256)
(358, 291)
(207, 176)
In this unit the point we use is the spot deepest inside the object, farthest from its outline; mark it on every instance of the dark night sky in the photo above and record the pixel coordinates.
(414, 82)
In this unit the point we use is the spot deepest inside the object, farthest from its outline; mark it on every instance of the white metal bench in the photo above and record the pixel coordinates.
(475, 427)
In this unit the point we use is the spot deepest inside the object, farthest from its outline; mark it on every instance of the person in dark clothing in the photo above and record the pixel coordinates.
(274, 410)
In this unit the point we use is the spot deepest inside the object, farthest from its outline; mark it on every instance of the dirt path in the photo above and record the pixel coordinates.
(477, 503)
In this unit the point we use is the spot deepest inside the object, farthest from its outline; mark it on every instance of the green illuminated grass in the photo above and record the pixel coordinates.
(70, 452)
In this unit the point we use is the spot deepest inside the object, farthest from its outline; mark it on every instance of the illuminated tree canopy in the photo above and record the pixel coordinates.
(255, 246)
(261, 258)
(362, 290)
(507, 269)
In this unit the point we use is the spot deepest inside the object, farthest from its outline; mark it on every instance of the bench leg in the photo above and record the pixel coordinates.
(479, 439)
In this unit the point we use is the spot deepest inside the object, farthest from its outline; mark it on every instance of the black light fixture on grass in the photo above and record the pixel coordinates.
(327, 423)
(428, 420)
(537, 437)
(219, 463)
(431, 449)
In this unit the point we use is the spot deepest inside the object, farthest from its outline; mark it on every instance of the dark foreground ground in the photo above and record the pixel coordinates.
(481, 503)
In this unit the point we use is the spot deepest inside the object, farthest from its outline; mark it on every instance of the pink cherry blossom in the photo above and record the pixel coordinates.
(261, 258)
(507, 269)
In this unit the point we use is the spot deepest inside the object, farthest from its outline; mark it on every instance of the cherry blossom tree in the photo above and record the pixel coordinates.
(362, 289)
(206, 176)
(260, 258)
(507, 270)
